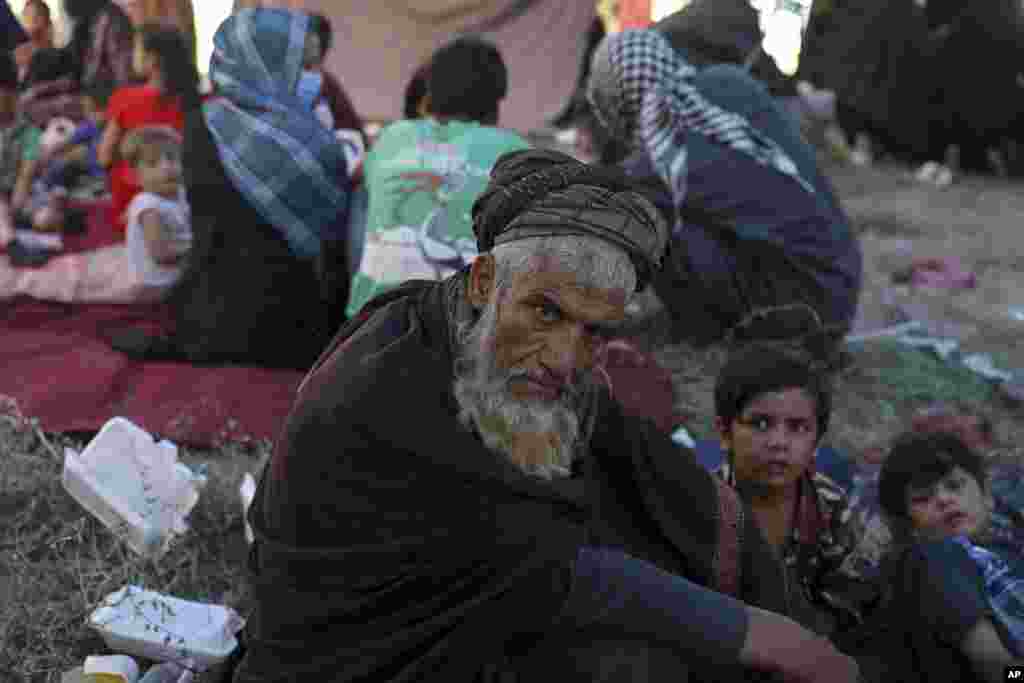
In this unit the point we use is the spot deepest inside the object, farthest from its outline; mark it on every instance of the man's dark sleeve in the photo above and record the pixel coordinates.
(617, 592)
(948, 588)
(12, 33)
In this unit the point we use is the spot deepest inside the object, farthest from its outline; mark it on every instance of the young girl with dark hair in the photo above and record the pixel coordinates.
(171, 86)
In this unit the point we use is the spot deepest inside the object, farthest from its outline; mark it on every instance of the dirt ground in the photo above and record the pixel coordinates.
(55, 561)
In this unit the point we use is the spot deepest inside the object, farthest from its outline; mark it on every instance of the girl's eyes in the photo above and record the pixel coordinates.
(763, 424)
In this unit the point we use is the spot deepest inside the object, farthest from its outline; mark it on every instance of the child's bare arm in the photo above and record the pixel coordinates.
(161, 243)
(106, 153)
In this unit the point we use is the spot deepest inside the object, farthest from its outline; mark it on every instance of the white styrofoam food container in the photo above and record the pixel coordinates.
(134, 485)
(162, 628)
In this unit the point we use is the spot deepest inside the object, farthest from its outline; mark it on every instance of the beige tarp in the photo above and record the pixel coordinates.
(380, 43)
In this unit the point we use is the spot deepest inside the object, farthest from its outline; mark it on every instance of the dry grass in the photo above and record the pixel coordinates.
(57, 562)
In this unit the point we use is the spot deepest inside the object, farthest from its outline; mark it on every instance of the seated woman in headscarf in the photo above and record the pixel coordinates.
(268, 189)
(761, 247)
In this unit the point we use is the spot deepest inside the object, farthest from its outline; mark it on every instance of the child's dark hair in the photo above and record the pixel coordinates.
(8, 71)
(174, 59)
(467, 79)
(146, 142)
(920, 460)
(758, 369)
(100, 92)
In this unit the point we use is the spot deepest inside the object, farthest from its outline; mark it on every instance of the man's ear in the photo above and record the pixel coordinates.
(481, 280)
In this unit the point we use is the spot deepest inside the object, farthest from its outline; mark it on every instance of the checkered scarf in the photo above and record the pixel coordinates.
(641, 91)
(275, 150)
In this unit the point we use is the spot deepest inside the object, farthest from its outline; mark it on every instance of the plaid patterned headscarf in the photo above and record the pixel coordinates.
(641, 90)
(275, 150)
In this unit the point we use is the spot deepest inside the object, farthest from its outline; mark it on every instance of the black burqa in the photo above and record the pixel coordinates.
(392, 545)
(975, 99)
(874, 55)
(245, 297)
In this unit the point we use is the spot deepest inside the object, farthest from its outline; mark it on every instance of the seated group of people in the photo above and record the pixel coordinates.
(99, 116)
(758, 245)
(183, 168)
(520, 526)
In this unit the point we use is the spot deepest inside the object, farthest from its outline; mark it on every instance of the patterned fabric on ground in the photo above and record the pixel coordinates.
(1005, 591)
(275, 150)
(642, 91)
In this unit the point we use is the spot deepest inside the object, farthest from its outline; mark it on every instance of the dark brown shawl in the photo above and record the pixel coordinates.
(392, 545)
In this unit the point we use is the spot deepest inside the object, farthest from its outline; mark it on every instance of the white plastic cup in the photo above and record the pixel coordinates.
(107, 667)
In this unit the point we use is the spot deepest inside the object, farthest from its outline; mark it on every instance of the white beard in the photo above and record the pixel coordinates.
(487, 405)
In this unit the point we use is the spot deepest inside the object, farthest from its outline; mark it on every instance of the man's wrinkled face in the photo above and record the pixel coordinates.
(550, 330)
(528, 360)
(957, 504)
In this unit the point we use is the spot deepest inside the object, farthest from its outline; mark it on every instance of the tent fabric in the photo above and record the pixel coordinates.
(379, 45)
(59, 369)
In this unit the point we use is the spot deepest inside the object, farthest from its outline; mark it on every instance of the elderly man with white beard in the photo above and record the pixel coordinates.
(456, 498)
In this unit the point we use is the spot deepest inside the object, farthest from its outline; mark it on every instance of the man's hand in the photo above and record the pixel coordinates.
(777, 643)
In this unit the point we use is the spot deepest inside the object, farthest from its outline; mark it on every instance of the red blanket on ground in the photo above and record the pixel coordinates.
(58, 369)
